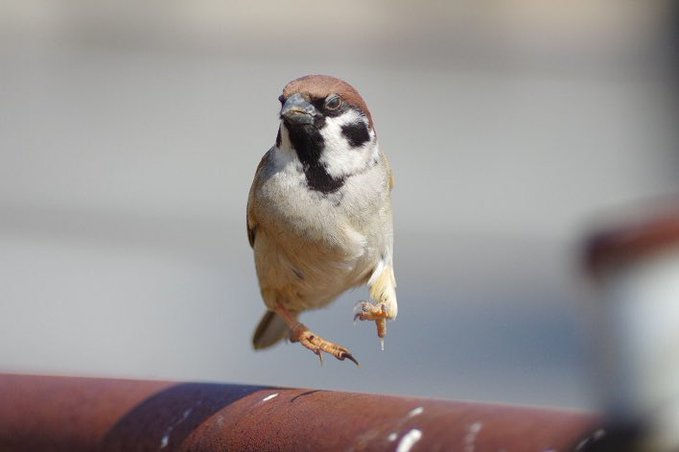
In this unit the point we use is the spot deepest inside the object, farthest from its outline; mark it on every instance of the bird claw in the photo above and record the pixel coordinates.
(300, 333)
(348, 356)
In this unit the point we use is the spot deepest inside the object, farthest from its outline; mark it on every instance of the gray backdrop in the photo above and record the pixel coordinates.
(129, 135)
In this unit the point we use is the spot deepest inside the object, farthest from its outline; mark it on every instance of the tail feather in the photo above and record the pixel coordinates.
(270, 330)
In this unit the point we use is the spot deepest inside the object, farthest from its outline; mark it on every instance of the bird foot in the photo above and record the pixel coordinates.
(300, 333)
(377, 312)
(366, 310)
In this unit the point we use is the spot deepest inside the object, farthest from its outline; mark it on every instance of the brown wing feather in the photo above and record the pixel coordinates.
(389, 172)
(251, 221)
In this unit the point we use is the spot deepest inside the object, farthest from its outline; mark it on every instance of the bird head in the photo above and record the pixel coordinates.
(326, 125)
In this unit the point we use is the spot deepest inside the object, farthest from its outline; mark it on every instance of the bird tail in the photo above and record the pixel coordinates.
(271, 329)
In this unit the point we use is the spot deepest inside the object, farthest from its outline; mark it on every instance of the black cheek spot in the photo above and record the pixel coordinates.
(278, 138)
(356, 133)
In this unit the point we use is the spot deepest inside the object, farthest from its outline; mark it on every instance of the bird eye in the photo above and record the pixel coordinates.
(281, 99)
(333, 102)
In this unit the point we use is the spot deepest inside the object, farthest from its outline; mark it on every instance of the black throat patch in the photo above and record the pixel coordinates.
(308, 144)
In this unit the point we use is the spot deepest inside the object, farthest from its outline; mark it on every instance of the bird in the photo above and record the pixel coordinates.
(319, 215)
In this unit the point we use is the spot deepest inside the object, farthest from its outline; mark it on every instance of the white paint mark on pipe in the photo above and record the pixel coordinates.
(165, 440)
(595, 436)
(470, 438)
(270, 396)
(409, 440)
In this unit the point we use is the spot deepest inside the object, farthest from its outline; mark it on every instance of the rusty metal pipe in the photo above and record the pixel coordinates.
(68, 413)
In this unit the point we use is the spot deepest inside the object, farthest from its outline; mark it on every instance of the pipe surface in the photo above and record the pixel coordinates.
(40, 413)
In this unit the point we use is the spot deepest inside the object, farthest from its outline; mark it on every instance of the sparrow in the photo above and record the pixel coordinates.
(319, 215)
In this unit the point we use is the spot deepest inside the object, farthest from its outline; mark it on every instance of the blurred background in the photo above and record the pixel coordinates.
(129, 135)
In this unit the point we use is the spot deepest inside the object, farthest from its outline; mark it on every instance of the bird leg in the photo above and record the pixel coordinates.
(300, 333)
(382, 290)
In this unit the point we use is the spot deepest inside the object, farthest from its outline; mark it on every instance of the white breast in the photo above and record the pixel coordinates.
(333, 240)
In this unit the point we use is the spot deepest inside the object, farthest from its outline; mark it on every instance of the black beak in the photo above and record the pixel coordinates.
(298, 111)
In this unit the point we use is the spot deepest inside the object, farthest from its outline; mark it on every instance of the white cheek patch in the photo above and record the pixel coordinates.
(339, 158)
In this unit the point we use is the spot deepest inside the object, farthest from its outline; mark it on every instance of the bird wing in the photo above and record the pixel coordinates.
(390, 174)
(251, 221)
